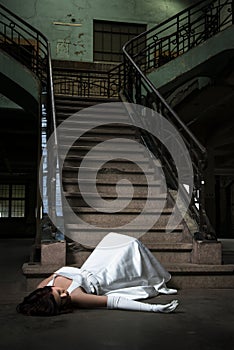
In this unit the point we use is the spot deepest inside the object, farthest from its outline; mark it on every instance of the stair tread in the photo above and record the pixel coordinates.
(77, 123)
(129, 228)
(190, 268)
(100, 158)
(183, 269)
(101, 183)
(116, 147)
(114, 171)
(86, 102)
(85, 115)
(85, 138)
(78, 194)
(89, 210)
(66, 132)
(88, 98)
(99, 108)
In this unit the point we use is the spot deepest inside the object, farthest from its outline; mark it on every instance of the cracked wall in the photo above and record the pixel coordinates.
(72, 42)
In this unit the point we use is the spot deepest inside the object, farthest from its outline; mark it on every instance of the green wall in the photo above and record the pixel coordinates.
(18, 84)
(76, 43)
(200, 61)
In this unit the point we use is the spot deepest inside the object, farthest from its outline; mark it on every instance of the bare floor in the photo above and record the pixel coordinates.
(203, 320)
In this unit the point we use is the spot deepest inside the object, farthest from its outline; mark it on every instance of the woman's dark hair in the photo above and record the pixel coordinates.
(40, 302)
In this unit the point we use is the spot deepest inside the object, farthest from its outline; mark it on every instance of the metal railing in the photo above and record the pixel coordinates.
(154, 48)
(30, 47)
(180, 33)
(151, 49)
(88, 83)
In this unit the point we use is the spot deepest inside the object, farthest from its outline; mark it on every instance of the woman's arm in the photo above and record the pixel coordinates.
(84, 300)
(45, 281)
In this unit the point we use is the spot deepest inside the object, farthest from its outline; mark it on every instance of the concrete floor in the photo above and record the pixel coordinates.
(203, 320)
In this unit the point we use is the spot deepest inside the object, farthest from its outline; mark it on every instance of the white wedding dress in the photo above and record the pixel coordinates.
(119, 265)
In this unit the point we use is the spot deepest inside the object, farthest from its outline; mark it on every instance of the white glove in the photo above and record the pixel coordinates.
(116, 302)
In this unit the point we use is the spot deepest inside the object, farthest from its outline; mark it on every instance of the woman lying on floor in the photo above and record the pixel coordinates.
(119, 271)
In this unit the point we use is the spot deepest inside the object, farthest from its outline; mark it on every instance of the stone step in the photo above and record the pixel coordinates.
(85, 232)
(110, 196)
(82, 120)
(108, 170)
(89, 138)
(111, 178)
(98, 109)
(137, 202)
(80, 102)
(107, 150)
(87, 101)
(187, 275)
(176, 253)
(100, 180)
(100, 131)
(117, 164)
(96, 159)
(114, 220)
(110, 150)
(184, 275)
(91, 141)
(97, 211)
(110, 188)
(115, 145)
(154, 237)
(80, 99)
(151, 237)
(85, 115)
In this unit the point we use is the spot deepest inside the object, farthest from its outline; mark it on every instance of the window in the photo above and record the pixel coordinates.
(109, 38)
(12, 201)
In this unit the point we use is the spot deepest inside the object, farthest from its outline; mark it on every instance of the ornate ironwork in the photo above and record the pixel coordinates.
(165, 42)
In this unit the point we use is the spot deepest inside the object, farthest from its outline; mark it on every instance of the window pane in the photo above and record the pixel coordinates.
(4, 208)
(18, 191)
(109, 37)
(4, 191)
(17, 208)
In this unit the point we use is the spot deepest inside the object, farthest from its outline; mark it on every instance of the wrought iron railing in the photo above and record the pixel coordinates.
(154, 48)
(151, 49)
(88, 83)
(180, 33)
(29, 46)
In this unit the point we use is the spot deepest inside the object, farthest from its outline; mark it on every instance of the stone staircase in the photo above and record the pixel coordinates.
(192, 264)
(174, 247)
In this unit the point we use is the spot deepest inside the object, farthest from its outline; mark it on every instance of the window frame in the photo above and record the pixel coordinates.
(101, 55)
(10, 198)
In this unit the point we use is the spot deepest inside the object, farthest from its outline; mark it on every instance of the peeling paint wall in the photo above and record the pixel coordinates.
(69, 42)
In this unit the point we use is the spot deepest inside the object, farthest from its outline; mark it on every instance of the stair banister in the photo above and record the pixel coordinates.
(138, 63)
(42, 67)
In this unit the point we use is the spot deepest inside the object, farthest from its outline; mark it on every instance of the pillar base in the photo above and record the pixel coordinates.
(53, 253)
(208, 253)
